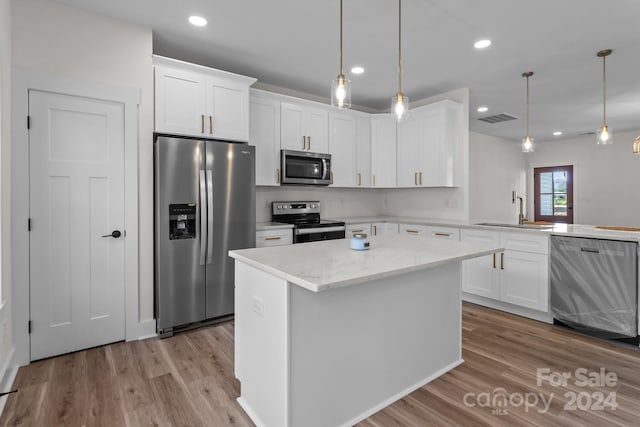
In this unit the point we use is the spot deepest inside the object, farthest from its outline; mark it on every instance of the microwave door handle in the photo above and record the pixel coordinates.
(203, 217)
(210, 216)
(324, 169)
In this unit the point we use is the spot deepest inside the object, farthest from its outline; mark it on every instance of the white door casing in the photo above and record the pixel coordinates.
(76, 197)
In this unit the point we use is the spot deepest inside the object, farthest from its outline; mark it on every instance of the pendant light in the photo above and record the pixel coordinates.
(400, 102)
(341, 87)
(636, 145)
(604, 136)
(527, 141)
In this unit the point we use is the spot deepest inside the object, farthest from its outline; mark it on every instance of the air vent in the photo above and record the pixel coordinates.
(498, 118)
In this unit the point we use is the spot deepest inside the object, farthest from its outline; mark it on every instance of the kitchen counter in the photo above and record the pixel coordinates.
(326, 336)
(270, 225)
(331, 264)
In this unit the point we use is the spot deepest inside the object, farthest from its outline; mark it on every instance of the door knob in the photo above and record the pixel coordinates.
(115, 234)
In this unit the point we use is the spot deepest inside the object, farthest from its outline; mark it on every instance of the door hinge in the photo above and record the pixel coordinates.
(28, 224)
(28, 122)
(29, 326)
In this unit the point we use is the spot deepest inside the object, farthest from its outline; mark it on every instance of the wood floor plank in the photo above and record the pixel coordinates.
(188, 380)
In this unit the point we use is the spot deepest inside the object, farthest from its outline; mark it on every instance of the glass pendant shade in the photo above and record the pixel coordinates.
(400, 106)
(527, 144)
(636, 145)
(604, 136)
(341, 92)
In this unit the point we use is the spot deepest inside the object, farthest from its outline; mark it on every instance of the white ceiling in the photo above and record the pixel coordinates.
(294, 44)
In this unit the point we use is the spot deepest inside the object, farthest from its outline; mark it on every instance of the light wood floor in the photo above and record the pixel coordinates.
(187, 380)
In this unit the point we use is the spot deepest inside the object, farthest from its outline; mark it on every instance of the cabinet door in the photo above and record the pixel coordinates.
(264, 134)
(342, 146)
(267, 238)
(480, 276)
(227, 115)
(412, 229)
(524, 280)
(363, 153)
(440, 144)
(352, 229)
(410, 148)
(383, 150)
(179, 102)
(293, 136)
(317, 129)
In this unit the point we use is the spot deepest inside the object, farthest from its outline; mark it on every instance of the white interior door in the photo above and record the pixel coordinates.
(76, 196)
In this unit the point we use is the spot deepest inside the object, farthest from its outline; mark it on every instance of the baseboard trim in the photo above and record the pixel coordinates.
(250, 412)
(146, 329)
(540, 316)
(7, 377)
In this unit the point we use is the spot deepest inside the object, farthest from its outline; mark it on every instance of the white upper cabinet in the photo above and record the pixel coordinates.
(264, 134)
(363, 152)
(198, 101)
(304, 128)
(383, 150)
(343, 134)
(428, 146)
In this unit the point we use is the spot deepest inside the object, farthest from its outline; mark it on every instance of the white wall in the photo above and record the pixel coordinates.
(51, 37)
(496, 168)
(606, 178)
(6, 341)
(441, 203)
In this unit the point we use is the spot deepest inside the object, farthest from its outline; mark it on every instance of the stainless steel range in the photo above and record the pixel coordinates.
(307, 225)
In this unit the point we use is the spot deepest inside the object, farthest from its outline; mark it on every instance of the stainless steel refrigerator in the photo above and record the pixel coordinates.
(204, 207)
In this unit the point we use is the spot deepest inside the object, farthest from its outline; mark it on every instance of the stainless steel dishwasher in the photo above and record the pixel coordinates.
(594, 285)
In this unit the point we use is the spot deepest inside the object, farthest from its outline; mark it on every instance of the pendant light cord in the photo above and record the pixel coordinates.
(341, 38)
(527, 106)
(604, 91)
(399, 46)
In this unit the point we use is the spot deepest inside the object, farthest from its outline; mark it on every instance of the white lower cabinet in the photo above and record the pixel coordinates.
(514, 276)
(277, 237)
(380, 228)
(352, 229)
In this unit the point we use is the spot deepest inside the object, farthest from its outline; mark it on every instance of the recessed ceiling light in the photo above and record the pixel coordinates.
(557, 133)
(483, 109)
(198, 21)
(481, 44)
(357, 70)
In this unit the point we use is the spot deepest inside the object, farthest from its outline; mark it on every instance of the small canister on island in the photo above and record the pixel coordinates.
(359, 242)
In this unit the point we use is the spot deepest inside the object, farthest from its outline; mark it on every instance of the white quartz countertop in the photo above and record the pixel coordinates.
(261, 226)
(320, 266)
(572, 230)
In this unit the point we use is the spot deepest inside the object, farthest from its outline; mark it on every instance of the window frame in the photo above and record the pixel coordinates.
(568, 219)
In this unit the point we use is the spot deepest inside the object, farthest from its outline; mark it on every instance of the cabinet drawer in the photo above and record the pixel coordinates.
(352, 229)
(413, 229)
(443, 232)
(482, 236)
(526, 242)
(265, 238)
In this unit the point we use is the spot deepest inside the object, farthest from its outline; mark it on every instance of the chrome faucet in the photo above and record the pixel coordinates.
(521, 217)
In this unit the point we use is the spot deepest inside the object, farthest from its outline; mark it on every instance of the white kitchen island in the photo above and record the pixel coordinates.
(326, 336)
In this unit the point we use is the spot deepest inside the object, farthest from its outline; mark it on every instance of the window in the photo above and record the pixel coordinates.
(553, 194)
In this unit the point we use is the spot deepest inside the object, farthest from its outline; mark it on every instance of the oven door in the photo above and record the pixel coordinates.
(301, 167)
(304, 235)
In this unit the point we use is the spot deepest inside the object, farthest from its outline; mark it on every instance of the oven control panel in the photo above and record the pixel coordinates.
(287, 208)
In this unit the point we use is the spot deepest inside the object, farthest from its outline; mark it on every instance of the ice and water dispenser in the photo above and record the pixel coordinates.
(182, 221)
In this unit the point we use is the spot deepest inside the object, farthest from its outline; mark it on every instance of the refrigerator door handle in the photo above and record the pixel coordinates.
(210, 216)
(203, 216)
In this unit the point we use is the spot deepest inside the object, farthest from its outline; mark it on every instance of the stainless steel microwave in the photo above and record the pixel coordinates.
(303, 167)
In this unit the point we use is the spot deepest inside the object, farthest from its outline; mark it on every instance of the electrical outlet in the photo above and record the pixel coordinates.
(257, 306)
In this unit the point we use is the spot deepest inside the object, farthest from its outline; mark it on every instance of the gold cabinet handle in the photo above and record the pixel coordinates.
(420, 174)
(501, 260)
(202, 123)
(375, 230)
(272, 238)
(373, 178)
(356, 231)
(304, 142)
(309, 141)
(494, 260)
(359, 179)
(442, 234)
(278, 176)
(211, 125)
(412, 231)
(415, 178)
(331, 176)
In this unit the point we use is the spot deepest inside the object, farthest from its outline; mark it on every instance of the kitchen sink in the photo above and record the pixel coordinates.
(525, 226)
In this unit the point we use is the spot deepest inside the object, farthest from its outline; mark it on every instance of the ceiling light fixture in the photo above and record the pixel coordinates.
(557, 133)
(357, 70)
(604, 136)
(198, 21)
(527, 141)
(483, 109)
(400, 102)
(481, 44)
(341, 87)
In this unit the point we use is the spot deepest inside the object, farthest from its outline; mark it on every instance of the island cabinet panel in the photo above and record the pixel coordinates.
(264, 134)
(518, 276)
